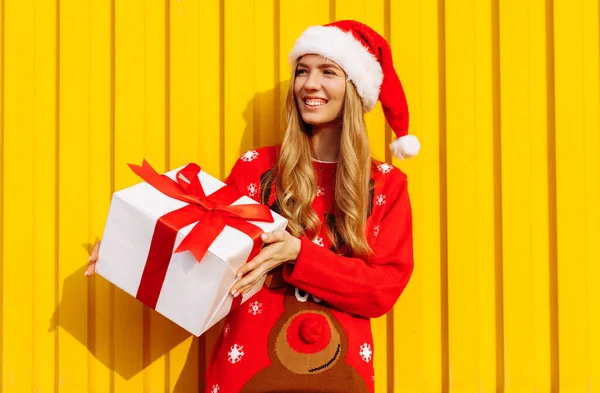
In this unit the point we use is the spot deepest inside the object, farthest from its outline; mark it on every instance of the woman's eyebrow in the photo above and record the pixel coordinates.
(322, 66)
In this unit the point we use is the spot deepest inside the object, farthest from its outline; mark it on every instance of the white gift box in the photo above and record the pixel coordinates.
(194, 295)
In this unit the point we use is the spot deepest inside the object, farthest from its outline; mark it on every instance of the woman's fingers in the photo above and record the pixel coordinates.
(275, 236)
(91, 268)
(248, 281)
(245, 281)
(245, 289)
(255, 263)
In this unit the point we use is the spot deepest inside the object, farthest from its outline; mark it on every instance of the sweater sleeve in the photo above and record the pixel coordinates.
(233, 179)
(245, 173)
(366, 287)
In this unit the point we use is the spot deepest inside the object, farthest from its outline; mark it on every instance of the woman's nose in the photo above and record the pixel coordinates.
(312, 82)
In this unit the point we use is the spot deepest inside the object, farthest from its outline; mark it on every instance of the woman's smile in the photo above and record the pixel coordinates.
(314, 103)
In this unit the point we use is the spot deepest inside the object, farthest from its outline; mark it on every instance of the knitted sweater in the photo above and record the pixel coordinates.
(308, 329)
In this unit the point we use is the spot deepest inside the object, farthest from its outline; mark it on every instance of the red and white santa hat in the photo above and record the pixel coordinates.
(366, 58)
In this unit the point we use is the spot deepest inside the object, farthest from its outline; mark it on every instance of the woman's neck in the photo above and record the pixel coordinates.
(325, 142)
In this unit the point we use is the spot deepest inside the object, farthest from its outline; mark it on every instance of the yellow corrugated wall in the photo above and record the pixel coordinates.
(504, 95)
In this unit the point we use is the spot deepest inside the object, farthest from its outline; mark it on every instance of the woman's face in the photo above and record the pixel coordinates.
(319, 89)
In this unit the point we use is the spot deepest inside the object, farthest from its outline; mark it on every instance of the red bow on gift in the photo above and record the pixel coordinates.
(210, 213)
(216, 207)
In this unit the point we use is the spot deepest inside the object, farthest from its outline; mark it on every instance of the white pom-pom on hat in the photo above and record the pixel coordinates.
(366, 57)
(406, 146)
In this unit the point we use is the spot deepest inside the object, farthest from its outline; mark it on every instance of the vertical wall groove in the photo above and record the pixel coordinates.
(445, 367)
(167, 85)
(498, 223)
(31, 157)
(111, 300)
(391, 381)
(552, 199)
(2, 25)
(387, 31)
(91, 301)
(56, 186)
(112, 95)
(276, 68)
(146, 318)
(390, 353)
(166, 370)
(332, 10)
(222, 87)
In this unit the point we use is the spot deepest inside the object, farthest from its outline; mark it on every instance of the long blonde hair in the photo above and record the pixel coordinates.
(296, 184)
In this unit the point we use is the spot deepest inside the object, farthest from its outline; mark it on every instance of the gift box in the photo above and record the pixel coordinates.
(175, 242)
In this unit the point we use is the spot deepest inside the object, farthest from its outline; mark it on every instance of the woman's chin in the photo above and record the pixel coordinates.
(316, 121)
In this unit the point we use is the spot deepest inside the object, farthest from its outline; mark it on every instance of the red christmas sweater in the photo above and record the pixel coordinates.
(308, 329)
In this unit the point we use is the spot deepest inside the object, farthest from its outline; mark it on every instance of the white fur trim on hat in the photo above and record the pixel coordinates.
(360, 65)
(405, 147)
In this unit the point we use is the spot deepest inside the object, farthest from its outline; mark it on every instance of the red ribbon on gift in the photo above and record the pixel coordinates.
(211, 213)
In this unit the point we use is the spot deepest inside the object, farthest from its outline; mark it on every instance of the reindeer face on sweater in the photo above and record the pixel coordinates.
(308, 338)
(308, 348)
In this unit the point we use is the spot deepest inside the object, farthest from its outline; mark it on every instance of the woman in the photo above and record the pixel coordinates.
(347, 253)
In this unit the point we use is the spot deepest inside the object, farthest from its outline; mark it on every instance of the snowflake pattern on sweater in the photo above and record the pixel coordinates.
(309, 326)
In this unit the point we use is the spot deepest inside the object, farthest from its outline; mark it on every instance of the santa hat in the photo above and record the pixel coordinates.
(366, 58)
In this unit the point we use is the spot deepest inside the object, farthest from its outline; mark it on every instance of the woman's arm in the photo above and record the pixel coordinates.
(367, 288)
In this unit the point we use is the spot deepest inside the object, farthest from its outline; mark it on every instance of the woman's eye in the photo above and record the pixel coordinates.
(329, 72)
(298, 72)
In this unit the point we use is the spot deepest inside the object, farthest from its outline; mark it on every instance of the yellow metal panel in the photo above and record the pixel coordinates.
(516, 196)
(486, 160)
(44, 178)
(373, 14)
(183, 83)
(407, 351)
(239, 71)
(183, 148)
(2, 188)
(571, 129)
(210, 71)
(591, 94)
(461, 199)
(471, 208)
(131, 145)
(524, 197)
(18, 253)
(417, 327)
(101, 186)
(73, 194)
(210, 126)
(504, 97)
(264, 105)
(540, 369)
(425, 191)
(156, 128)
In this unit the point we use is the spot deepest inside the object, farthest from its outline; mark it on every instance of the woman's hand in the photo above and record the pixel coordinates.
(282, 247)
(91, 269)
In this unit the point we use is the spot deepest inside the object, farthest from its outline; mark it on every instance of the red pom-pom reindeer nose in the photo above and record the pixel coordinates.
(312, 328)
(309, 333)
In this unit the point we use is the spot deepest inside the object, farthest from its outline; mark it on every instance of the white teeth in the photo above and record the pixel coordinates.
(315, 103)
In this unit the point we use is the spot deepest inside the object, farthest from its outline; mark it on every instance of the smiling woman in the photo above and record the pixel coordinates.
(347, 253)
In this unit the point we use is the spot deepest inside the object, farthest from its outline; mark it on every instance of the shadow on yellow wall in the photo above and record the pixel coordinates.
(264, 116)
(78, 303)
